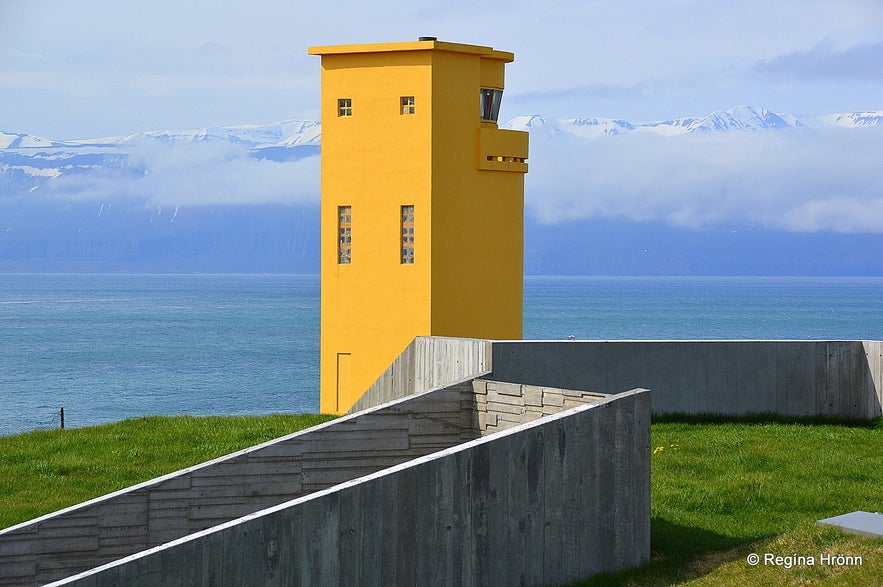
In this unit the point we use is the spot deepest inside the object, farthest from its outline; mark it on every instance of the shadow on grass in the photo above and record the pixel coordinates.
(767, 418)
(678, 553)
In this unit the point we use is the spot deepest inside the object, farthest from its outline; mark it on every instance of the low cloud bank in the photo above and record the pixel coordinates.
(799, 180)
(861, 62)
(195, 174)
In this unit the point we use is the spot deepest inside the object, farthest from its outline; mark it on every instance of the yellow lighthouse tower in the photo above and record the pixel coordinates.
(422, 205)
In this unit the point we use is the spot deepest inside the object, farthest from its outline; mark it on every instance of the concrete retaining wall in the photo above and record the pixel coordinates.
(428, 362)
(871, 376)
(105, 529)
(503, 405)
(548, 502)
(792, 378)
(455, 541)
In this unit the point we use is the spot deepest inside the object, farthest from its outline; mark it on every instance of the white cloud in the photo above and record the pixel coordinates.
(862, 62)
(799, 180)
(87, 68)
(194, 174)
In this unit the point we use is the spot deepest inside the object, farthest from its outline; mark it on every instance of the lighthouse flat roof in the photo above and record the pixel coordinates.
(487, 52)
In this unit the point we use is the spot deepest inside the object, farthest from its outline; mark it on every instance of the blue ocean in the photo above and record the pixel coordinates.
(110, 347)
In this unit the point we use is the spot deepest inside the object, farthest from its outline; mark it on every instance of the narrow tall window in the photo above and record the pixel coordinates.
(407, 235)
(344, 235)
(490, 101)
(407, 104)
(345, 107)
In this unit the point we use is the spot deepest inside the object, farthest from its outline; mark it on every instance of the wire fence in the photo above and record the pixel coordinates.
(44, 419)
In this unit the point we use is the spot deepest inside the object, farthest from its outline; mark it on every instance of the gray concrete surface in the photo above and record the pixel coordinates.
(791, 378)
(560, 498)
(428, 362)
(167, 508)
(530, 381)
(503, 405)
(861, 523)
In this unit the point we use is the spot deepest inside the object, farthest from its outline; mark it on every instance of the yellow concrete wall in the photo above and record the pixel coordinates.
(477, 215)
(467, 277)
(375, 161)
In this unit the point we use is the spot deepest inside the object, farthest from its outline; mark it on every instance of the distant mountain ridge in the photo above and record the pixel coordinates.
(21, 140)
(739, 118)
(154, 201)
(854, 119)
(285, 133)
(27, 162)
(291, 133)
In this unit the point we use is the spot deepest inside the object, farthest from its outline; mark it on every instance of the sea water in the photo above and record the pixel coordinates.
(109, 347)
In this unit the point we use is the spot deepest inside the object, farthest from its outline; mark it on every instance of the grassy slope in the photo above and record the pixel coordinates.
(719, 491)
(44, 471)
(722, 491)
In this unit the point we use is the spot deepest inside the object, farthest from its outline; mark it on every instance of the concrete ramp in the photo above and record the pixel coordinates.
(560, 498)
(444, 478)
(123, 523)
(492, 406)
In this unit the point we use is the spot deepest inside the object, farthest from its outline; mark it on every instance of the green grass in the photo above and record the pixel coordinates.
(721, 489)
(43, 471)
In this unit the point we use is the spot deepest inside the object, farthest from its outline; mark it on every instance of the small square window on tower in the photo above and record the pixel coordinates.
(345, 107)
(407, 235)
(344, 235)
(407, 104)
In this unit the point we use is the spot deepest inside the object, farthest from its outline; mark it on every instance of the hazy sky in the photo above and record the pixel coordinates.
(95, 68)
(91, 68)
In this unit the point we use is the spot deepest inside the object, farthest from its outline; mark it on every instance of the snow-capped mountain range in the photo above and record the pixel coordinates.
(27, 161)
(737, 119)
(244, 198)
(280, 134)
(293, 133)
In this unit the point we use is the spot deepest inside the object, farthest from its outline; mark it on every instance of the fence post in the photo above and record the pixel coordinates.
(62, 418)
